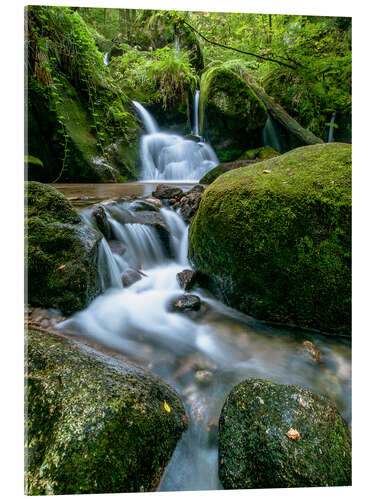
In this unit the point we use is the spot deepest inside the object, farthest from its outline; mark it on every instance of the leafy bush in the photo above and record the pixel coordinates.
(164, 75)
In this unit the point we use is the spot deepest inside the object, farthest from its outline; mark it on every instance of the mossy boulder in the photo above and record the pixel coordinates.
(281, 436)
(61, 252)
(261, 153)
(251, 156)
(274, 239)
(94, 424)
(231, 116)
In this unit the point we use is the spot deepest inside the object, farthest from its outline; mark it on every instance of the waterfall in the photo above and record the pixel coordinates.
(177, 45)
(331, 127)
(269, 135)
(148, 121)
(196, 116)
(105, 59)
(108, 269)
(167, 156)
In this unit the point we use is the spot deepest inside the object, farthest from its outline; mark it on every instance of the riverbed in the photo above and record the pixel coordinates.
(202, 354)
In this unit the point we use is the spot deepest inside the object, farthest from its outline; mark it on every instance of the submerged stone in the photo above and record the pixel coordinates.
(185, 302)
(166, 191)
(94, 424)
(186, 279)
(278, 246)
(130, 276)
(281, 436)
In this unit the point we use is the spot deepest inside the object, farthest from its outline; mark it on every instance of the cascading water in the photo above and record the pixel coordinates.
(196, 115)
(270, 137)
(218, 340)
(106, 59)
(170, 157)
(331, 127)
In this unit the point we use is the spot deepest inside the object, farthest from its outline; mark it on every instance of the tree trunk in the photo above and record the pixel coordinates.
(279, 114)
(122, 22)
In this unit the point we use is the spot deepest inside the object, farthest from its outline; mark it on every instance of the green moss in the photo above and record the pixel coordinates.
(262, 153)
(250, 157)
(255, 452)
(230, 114)
(74, 108)
(278, 245)
(94, 424)
(61, 252)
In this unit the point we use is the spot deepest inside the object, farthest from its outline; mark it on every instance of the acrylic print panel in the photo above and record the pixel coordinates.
(188, 250)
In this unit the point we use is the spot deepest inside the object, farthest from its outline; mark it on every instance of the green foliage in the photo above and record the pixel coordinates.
(162, 76)
(64, 65)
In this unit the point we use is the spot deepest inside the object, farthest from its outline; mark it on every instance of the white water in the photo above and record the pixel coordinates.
(331, 127)
(166, 156)
(136, 321)
(105, 59)
(270, 137)
(196, 116)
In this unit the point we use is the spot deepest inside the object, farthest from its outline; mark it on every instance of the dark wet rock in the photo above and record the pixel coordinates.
(101, 220)
(189, 365)
(155, 201)
(278, 246)
(130, 276)
(142, 205)
(186, 279)
(172, 202)
(310, 351)
(62, 252)
(192, 137)
(189, 202)
(166, 191)
(94, 424)
(117, 247)
(185, 302)
(278, 436)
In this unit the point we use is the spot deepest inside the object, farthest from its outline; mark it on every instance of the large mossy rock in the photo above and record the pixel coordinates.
(258, 445)
(61, 252)
(247, 158)
(94, 424)
(274, 239)
(231, 117)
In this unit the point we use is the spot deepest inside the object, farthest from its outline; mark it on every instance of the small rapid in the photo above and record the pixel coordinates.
(170, 157)
(202, 354)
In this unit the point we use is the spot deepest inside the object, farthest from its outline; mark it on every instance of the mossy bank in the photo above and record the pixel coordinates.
(274, 239)
(94, 424)
(62, 252)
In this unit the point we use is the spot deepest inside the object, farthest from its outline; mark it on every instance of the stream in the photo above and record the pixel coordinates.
(202, 354)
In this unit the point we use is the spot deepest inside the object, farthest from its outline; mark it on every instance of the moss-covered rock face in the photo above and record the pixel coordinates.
(230, 115)
(249, 157)
(274, 238)
(61, 252)
(74, 109)
(94, 424)
(258, 447)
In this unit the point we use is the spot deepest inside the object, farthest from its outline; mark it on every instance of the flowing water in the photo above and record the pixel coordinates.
(270, 136)
(196, 115)
(166, 156)
(201, 354)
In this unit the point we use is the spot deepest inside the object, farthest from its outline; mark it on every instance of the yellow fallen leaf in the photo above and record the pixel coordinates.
(166, 407)
(302, 403)
(292, 433)
(61, 267)
(267, 171)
